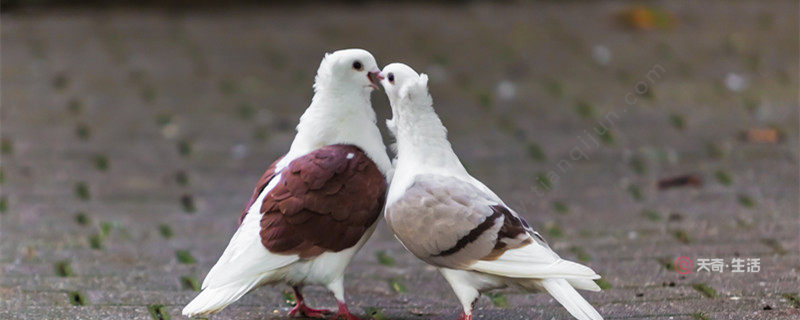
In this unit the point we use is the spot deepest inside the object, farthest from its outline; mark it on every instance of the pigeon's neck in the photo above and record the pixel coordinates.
(334, 118)
(422, 141)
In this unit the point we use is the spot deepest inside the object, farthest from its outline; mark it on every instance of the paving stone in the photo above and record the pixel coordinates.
(197, 103)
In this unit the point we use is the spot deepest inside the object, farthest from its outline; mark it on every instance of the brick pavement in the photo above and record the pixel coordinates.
(132, 137)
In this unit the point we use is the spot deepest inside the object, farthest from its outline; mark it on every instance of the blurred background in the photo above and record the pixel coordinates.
(630, 134)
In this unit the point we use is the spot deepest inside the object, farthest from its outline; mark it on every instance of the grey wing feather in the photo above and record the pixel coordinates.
(445, 221)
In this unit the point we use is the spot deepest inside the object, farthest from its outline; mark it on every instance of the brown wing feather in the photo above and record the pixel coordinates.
(513, 234)
(325, 201)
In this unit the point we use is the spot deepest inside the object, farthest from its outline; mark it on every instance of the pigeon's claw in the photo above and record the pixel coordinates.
(344, 313)
(465, 316)
(302, 311)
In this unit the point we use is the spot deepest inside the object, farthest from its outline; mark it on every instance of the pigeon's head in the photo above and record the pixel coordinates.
(401, 82)
(348, 68)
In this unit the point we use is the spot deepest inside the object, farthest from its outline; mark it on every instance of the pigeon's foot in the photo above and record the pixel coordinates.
(344, 313)
(301, 310)
(465, 316)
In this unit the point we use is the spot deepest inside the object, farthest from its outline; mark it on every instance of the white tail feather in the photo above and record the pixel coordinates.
(533, 261)
(520, 269)
(566, 295)
(584, 284)
(213, 299)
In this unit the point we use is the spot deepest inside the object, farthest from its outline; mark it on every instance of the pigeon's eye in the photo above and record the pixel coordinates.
(358, 66)
(391, 77)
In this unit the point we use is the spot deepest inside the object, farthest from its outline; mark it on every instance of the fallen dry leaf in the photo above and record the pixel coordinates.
(762, 135)
(691, 180)
(647, 18)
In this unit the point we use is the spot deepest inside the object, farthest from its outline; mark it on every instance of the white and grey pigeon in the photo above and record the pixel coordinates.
(452, 221)
(316, 206)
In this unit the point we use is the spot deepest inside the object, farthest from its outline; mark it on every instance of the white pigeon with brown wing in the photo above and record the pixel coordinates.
(316, 206)
(452, 221)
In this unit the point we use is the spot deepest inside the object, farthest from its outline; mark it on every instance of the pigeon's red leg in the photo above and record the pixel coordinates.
(301, 310)
(465, 316)
(344, 313)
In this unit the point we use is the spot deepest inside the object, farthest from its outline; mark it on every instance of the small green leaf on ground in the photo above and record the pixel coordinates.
(384, 258)
(584, 109)
(668, 263)
(506, 124)
(554, 88)
(793, 299)
(705, 290)
(536, 152)
(635, 192)
(715, 150)
(77, 298)
(397, 286)
(60, 82)
(6, 146)
(101, 162)
(3, 204)
(440, 59)
(148, 94)
(580, 254)
(187, 201)
(182, 178)
(746, 201)
(288, 298)
(96, 241)
(375, 313)
(190, 283)
(105, 228)
(83, 131)
(184, 148)
(775, 245)
(63, 269)
(165, 231)
(553, 229)
(723, 177)
(543, 182)
(158, 312)
(227, 87)
(81, 218)
(677, 121)
(682, 236)
(261, 133)
(561, 207)
(603, 284)
(74, 106)
(651, 214)
(484, 100)
(2, 175)
(607, 137)
(82, 191)
(246, 111)
(742, 223)
(638, 165)
(163, 119)
(185, 257)
(700, 316)
(498, 299)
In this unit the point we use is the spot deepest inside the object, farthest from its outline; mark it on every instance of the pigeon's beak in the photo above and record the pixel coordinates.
(375, 78)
